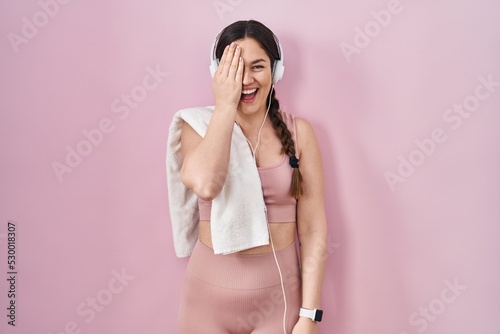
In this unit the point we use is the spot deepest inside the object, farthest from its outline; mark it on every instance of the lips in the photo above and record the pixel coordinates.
(248, 95)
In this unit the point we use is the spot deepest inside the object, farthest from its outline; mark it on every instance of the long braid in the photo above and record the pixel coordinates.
(288, 146)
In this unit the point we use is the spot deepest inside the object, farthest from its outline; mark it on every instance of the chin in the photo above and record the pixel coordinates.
(250, 108)
(246, 109)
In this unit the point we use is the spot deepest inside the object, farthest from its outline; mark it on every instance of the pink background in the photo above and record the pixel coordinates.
(420, 256)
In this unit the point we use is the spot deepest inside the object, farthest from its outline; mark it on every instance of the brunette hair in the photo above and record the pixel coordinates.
(266, 39)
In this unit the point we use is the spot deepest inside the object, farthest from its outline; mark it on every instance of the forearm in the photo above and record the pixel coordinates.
(314, 253)
(205, 169)
(206, 162)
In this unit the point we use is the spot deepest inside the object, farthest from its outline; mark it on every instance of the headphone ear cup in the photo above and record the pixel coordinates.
(279, 69)
(213, 67)
(214, 63)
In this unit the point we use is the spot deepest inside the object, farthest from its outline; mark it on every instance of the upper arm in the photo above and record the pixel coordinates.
(310, 207)
(190, 140)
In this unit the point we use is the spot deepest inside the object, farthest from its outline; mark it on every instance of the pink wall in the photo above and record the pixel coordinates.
(404, 97)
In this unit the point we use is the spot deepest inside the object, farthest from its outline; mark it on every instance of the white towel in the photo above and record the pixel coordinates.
(238, 217)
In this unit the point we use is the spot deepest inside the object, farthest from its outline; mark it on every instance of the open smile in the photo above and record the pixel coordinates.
(248, 95)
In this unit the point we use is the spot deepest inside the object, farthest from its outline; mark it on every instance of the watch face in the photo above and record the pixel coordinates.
(318, 316)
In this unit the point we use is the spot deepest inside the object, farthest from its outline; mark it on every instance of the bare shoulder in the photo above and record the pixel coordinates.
(306, 136)
(303, 126)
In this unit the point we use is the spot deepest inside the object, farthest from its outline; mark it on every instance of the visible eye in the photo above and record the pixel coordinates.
(258, 67)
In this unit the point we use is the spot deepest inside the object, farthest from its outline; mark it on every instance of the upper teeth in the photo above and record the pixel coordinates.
(250, 91)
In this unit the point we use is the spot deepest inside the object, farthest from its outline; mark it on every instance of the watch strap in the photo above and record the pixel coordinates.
(315, 315)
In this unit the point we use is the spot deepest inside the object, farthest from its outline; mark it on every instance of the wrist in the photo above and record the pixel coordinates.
(308, 321)
(224, 116)
(226, 108)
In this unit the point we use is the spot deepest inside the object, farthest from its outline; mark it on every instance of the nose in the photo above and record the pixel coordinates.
(247, 77)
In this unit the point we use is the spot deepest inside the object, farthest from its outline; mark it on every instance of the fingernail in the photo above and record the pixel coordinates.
(232, 45)
(238, 48)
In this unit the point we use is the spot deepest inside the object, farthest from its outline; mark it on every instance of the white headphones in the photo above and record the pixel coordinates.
(278, 68)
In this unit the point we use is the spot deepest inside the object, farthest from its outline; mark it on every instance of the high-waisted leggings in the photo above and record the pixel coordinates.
(239, 293)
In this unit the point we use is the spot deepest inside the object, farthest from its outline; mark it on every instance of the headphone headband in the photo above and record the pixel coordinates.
(278, 68)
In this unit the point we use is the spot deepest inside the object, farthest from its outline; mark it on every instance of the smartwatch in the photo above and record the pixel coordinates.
(316, 315)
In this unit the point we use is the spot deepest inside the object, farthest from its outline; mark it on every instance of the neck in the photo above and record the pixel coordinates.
(251, 123)
(249, 134)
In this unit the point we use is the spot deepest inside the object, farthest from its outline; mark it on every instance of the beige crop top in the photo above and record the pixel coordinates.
(276, 183)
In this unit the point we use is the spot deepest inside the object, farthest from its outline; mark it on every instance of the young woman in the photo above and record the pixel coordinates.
(263, 289)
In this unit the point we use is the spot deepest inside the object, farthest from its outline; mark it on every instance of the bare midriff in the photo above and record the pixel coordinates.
(283, 235)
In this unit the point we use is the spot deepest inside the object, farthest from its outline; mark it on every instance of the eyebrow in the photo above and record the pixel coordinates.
(258, 61)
